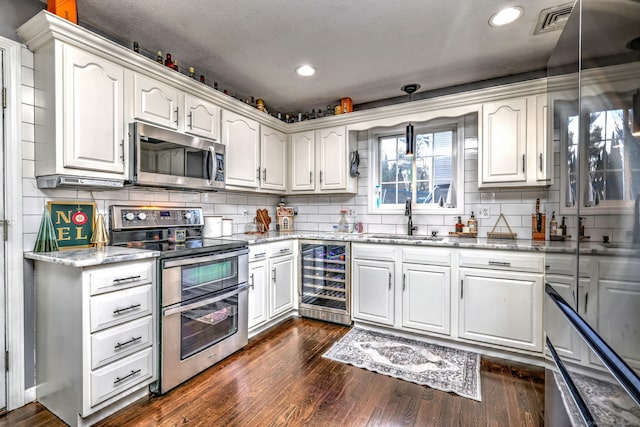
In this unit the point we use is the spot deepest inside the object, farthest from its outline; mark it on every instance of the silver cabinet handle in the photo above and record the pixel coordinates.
(404, 281)
(252, 280)
(264, 174)
(273, 275)
(125, 279)
(177, 109)
(260, 255)
(320, 177)
(540, 162)
(258, 173)
(310, 177)
(119, 345)
(284, 250)
(586, 302)
(122, 145)
(119, 380)
(523, 163)
(500, 263)
(389, 280)
(119, 311)
(461, 289)
(191, 120)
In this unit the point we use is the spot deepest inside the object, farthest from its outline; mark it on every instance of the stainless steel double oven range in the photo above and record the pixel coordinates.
(202, 287)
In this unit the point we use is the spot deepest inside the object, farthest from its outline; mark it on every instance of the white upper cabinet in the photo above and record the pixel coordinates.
(302, 165)
(333, 158)
(155, 102)
(92, 112)
(201, 118)
(242, 156)
(514, 149)
(273, 159)
(320, 162)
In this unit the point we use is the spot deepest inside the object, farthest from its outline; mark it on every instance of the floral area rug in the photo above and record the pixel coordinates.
(438, 367)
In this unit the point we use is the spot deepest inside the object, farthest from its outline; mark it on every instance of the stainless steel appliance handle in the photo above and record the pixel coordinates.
(181, 309)
(198, 260)
(211, 154)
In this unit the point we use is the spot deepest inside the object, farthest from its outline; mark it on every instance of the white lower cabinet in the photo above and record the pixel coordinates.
(95, 337)
(502, 308)
(373, 290)
(272, 282)
(426, 298)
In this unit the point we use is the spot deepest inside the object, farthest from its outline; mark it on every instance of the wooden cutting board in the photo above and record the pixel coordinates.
(262, 216)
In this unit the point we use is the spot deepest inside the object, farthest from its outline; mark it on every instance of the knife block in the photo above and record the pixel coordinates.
(538, 226)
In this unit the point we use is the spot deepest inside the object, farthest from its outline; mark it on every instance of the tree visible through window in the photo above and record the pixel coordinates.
(426, 177)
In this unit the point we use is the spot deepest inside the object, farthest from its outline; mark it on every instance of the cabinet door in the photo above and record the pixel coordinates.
(564, 337)
(242, 139)
(273, 158)
(504, 141)
(281, 270)
(302, 161)
(201, 118)
(257, 293)
(502, 308)
(426, 298)
(155, 102)
(373, 291)
(543, 151)
(332, 158)
(93, 112)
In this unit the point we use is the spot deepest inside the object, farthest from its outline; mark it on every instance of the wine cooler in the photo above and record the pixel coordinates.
(325, 286)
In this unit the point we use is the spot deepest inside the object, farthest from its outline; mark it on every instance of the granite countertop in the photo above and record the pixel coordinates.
(87, 257)
(522, 245)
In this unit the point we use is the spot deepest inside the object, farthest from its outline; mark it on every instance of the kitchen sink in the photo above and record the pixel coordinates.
(404, 237)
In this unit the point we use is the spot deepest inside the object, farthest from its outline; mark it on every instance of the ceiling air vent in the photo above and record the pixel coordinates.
(553, 19)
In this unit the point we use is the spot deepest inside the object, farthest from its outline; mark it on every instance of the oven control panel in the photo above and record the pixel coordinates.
(131, 217)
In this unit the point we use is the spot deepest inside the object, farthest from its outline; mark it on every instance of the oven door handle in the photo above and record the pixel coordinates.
(198, 260)
(171, 311)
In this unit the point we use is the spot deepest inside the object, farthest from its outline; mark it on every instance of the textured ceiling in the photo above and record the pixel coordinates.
(364, 49)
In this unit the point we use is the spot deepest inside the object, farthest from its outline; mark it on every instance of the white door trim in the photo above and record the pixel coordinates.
(13, 210)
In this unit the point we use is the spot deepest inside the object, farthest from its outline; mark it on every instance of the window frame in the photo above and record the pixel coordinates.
(455, 124)
(589, 105)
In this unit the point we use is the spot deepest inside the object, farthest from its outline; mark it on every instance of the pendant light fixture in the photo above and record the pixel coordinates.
(409, 136)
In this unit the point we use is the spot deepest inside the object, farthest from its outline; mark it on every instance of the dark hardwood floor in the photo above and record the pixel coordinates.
(280, 378)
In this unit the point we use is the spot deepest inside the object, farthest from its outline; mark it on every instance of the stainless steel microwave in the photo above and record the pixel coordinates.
(164, 158)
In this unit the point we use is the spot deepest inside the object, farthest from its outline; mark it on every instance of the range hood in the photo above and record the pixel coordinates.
(84, 182)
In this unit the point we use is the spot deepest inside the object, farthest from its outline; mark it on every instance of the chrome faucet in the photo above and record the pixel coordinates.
(407, 212)
(636, 220)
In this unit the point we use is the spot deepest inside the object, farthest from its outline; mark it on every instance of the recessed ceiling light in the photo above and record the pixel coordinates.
(306, 70)
(505, 16)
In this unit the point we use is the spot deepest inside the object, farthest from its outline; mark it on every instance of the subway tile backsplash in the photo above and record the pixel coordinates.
(316, 212)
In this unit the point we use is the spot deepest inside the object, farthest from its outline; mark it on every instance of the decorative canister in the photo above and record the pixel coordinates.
(347, 105)
(227, 226)
(260, 104)
(338, 109)
(212, 226)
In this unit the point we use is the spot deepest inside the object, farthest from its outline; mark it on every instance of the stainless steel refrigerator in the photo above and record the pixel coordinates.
(592, 301)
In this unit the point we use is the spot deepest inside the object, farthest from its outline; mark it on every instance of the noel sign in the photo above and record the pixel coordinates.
(73, 223)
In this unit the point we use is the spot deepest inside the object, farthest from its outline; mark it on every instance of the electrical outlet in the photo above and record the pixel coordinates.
(245, 212)
(483, 211)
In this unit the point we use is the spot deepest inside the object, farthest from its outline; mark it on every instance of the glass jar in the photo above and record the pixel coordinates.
(343, 224)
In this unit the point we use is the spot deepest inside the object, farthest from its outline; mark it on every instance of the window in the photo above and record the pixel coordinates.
(609, 160)
(428, 177)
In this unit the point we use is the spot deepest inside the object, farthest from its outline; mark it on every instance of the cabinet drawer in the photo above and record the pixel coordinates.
(440, 256)
(503, 261)
(564, 265)
(120, 376)
(120, 341)
(257, 252)
(374, 252)
(280, 248)
(120, 276)
(116, 308)
(623, 269)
